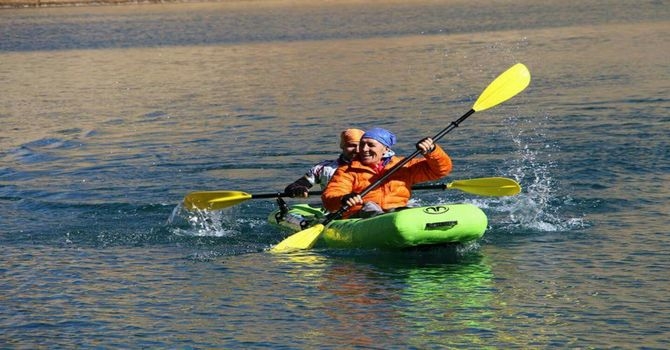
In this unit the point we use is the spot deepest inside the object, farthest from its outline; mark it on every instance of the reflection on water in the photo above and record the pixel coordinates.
(368, 296)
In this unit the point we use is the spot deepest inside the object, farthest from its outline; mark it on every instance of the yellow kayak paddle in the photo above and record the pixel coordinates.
(505, 86)
(485, 186)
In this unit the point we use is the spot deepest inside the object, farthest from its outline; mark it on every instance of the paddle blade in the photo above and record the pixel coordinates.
(304, 239)
(214, 200)
(487, 186)
(504, 87)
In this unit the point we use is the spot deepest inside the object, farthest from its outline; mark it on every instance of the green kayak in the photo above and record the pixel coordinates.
(407, 228)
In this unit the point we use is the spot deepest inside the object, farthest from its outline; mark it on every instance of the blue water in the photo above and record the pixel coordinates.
(110, 115)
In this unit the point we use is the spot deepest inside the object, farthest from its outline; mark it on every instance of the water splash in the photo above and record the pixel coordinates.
(207, 223)
(233, 224)
(538, 207)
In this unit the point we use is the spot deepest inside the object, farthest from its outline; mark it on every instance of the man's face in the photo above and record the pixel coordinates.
(371, 151)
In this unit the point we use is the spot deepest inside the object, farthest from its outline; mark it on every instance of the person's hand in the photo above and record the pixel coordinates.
(295, 190)
(351, 199)
(425, 146)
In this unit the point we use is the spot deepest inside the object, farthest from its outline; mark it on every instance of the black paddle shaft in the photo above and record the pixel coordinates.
(318, 193)
(332, 216)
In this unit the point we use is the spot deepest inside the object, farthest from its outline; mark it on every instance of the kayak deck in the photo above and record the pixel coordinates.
(406, 228)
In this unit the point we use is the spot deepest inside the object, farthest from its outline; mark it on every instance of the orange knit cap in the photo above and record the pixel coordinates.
(350, 135)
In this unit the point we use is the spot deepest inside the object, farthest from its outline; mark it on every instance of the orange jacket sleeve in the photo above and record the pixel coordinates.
(339, 185)
(436, 165)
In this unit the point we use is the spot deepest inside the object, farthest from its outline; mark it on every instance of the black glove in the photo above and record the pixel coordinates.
(423, 139)
(347, 197)
(298, 189)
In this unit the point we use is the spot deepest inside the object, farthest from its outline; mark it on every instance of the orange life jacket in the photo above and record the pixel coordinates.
(392, 193)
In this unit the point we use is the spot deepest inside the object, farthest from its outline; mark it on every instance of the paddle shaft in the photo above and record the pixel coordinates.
(386, 175)
(318, 193)
(332, 216)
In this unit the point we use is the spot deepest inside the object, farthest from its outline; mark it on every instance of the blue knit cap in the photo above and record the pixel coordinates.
(384, 136)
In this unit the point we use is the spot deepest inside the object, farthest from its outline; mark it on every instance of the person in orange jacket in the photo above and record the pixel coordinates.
(374, 158)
